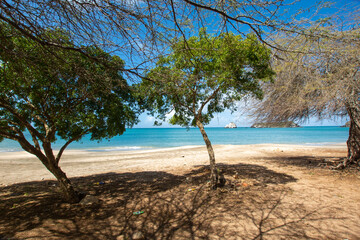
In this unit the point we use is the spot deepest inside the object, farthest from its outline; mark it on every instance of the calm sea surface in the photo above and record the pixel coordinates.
(147, 138)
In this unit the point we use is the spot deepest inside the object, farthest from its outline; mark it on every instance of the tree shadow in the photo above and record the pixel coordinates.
(242, 173)
(300, 161)
(309, 162)
(171, 207)
(26, 205)
(270, 215)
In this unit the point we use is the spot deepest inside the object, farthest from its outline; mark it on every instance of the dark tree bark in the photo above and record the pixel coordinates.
(353, 141)
(68, 192)
(66, 187)
(48, 159)
(213, 172)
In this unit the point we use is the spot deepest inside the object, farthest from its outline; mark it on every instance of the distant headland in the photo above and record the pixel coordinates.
(288, 124)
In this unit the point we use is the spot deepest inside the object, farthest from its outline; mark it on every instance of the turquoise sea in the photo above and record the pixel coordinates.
(147, 138)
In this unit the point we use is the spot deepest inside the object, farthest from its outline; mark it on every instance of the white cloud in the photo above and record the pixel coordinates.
(150, 119)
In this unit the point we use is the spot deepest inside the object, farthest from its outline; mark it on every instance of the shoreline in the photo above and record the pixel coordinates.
(147, 148)
(17, 167)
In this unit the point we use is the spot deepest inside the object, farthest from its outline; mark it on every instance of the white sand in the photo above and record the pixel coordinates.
(16, 167)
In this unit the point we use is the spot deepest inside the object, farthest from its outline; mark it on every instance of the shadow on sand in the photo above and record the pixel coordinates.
(252, 205)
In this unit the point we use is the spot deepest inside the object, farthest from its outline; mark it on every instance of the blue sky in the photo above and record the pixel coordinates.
(241, 119)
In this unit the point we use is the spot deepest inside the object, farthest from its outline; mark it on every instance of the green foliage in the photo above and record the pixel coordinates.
(54, 90)
(204, 75)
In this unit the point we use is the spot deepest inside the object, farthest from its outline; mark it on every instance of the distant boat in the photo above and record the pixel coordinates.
(231, 125)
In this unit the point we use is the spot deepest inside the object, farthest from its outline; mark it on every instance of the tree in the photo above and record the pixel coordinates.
(320, 78)
(205, 75)
(138, 30)
(51, 93)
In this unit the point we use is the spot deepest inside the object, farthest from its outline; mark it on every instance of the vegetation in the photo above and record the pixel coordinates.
(319, 78)
(85, 92)
(205, 75)
(289, 124)
(51, 93)
(141, 30)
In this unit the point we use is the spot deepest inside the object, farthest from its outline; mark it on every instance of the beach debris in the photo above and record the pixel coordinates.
(51, 184)
(191, 189)
(100, 183)
(89, 200)
(241, 185)
(138, 212)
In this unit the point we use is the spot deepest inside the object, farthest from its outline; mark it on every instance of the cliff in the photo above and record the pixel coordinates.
(347, 124)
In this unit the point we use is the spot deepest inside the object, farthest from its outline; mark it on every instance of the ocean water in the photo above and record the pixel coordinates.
(148, 138)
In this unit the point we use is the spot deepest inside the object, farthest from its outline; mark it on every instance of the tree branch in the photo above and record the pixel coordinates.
(24, 144)
(21, 119)
(62, 149)
(208, 99)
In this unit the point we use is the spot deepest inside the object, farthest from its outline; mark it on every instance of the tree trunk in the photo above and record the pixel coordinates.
(213, 172)
(52, 165)
(66, 187)
(353, 142)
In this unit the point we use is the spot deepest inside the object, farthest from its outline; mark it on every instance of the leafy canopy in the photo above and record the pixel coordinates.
(318, 78)
(205, 75)
(53, 90)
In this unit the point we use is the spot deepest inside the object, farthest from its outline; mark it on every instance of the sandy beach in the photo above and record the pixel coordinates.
(272, 192)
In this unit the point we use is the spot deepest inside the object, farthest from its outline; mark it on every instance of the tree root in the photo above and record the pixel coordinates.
(340, 164)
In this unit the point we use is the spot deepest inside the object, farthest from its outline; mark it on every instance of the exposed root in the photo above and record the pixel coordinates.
(340, 164)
